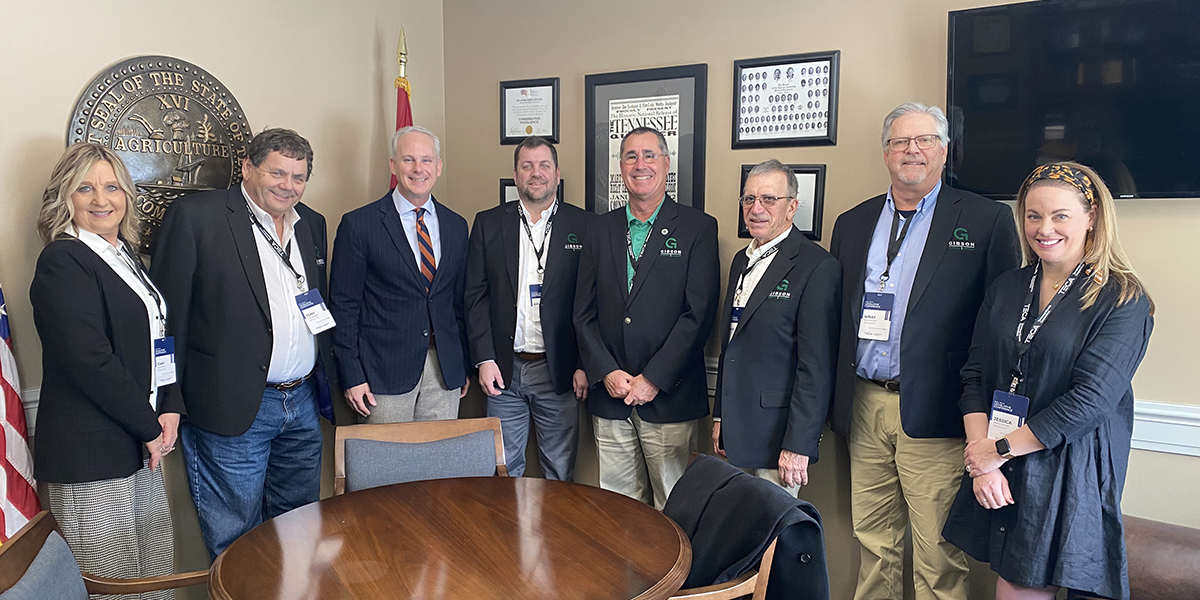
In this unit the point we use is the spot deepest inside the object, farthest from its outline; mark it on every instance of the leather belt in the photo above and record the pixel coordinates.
(287, 385)
(531, 356)
(890, 385)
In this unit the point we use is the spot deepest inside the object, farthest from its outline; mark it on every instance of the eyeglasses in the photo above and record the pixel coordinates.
(924, 142)
(766, 201)
(649, 157)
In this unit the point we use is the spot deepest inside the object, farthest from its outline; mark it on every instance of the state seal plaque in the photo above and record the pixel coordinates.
(177, 128)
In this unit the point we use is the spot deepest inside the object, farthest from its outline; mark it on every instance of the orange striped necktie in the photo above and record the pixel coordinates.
(425, 243)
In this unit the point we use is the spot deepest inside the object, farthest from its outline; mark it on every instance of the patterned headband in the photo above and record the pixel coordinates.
(1066, 174)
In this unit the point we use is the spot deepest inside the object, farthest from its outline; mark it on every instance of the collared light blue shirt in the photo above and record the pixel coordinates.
(408, 217)
(876, 359)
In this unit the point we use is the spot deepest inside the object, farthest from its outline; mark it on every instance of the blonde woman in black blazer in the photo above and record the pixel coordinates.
(101, 430)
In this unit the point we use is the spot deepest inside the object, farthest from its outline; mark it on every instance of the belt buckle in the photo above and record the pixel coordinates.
(891, 385)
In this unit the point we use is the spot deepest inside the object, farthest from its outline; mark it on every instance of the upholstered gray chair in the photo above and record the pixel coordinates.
(36, 564)
(367, 456)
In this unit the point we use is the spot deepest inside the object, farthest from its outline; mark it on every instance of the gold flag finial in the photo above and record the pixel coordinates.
(401, 52)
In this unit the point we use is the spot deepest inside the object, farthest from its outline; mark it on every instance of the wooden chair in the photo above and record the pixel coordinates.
(753, 584)
(412, 433)
(19, 552)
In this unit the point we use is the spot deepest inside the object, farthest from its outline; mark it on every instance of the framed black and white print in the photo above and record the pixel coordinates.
(810, 196)
(783, 101)
(508, 191)
(672, 100)
(529, 107)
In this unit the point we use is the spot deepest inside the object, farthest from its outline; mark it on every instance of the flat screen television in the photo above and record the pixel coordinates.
(1113, 84)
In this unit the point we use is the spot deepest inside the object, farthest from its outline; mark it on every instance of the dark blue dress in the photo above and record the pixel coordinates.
(1065, 527)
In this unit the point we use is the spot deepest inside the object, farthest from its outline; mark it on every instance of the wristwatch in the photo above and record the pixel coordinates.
(1003, 449)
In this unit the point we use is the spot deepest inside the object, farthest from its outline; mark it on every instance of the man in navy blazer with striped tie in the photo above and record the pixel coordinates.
(396, 292)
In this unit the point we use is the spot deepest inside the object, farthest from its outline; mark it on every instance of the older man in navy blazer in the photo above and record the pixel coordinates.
(775, 379)
(396, 291)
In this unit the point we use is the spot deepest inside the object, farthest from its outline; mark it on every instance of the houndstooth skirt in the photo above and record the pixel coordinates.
(118, 528)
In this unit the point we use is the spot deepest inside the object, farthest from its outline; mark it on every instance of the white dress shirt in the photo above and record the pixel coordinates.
(293, 346)
(121, 263)
(754, 275)
(408, 217)
(528, 337)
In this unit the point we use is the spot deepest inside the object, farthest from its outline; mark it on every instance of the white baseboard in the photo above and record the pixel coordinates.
(30, 397)
(1157, 426)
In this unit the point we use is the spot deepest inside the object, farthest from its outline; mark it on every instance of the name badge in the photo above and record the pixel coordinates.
(876, 323)
(734, 318)
(535, 301)
(164, 361)
(316, 314)
(1008, 414)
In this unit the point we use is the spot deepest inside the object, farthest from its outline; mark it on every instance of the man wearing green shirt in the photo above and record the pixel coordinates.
(645, 303)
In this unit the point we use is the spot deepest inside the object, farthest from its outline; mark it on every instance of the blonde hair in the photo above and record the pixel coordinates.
(1102, 250)
(57, 210)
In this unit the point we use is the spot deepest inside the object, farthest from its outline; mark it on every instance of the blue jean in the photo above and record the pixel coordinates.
(530, 393)
(237, 482)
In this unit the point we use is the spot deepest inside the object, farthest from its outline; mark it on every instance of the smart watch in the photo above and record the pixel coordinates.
(1003, 449)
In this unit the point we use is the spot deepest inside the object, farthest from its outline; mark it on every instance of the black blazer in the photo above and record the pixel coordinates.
(377, 296)
(94, 412)
(712, 495)
(207, 266)
(971, 241)
(659, 329)
(775, 379)
(491, 288)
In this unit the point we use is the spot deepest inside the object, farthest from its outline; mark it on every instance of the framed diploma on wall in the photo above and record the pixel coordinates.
(672, 100)
(782, 101)
(810, 200)
(529, 107)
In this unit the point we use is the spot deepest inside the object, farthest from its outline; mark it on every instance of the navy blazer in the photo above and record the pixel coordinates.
(377, 296)
(491, 290)
(972, 240)
(206, 265)
(775, 379)
(659, 328)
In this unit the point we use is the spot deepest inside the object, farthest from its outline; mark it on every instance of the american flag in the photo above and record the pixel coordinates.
(18, 500)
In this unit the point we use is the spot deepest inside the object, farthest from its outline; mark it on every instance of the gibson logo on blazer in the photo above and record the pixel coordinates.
(961, 241)
(573, 243)
(671, 249)
(781, 292)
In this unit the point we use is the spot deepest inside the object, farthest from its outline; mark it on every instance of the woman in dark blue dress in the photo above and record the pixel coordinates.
(1041, 500)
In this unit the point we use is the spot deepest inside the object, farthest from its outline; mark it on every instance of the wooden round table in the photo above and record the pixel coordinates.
(473, 538)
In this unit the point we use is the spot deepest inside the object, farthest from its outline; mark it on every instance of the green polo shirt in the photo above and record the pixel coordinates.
(639, 232)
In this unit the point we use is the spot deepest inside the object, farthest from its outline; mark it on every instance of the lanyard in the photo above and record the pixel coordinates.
(1024, 344)
(737, 296)
(894, 244)
(138, 269)
(539, 249)
(284, 254)
(634, 260)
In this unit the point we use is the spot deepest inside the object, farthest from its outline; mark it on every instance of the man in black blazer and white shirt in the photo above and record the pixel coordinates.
(520, 300)
(648, 291)
(396, 287)
(780, 328)
(915, 263)
(234, 265)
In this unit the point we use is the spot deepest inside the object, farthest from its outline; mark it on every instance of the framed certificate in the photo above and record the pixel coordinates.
(672, 100)
(810, 194)
(508, 191)
(783, 101)
(528, 107)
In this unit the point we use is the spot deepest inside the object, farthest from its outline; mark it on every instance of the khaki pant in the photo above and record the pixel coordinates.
(428, 401)
(772, 475)
(897, 481)
(643, 460)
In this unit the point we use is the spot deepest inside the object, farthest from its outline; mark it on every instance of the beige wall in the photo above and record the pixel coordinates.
(322, 68)
(891, 52)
